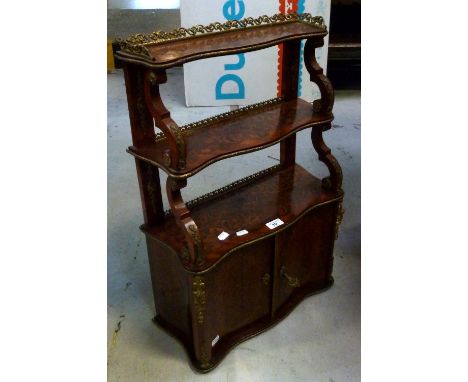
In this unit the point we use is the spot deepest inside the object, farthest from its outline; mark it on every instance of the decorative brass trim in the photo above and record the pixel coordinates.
(140, 103)
(167, 158)
(184, 254)
(150, 187)
(153, 79)
(180, 144)
(339, 218)
(185, 129)
(138, 43)
(228, 188)
(200, 257)
(204, 360)
(292, 281)
(199, 297)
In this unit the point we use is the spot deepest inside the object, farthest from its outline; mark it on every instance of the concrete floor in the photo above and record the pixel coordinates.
(319, 341)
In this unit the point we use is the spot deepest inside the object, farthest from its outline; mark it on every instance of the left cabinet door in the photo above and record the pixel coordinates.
(238, 292)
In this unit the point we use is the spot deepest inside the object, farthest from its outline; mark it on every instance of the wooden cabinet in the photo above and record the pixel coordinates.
(233, 262)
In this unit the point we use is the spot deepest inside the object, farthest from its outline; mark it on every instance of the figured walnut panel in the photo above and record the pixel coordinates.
(244, 132)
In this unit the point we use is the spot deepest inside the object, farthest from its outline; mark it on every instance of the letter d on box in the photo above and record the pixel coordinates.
(240, 94)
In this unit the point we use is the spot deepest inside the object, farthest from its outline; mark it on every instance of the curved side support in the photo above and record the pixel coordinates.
(334, 181)
(325, 104)
(176, 156)
(183, 219)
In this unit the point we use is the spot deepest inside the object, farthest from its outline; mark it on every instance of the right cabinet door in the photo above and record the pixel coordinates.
(304, 257)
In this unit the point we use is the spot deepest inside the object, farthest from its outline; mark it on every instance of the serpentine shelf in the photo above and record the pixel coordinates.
(245, 130)
(167, 49)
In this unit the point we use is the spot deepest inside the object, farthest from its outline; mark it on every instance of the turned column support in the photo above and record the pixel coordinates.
(185, 222)
(175, 157)
(334, 181)
(325, 104)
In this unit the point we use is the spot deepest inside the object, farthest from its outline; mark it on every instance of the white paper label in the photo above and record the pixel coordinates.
(274, 223)
(241, 233)
(216, 339)
(223, 235)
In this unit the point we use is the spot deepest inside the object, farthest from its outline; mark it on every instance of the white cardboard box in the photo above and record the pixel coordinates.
(249, 77)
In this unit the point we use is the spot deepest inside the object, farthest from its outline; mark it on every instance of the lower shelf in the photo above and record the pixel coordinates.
(284, 193)
(236, 338)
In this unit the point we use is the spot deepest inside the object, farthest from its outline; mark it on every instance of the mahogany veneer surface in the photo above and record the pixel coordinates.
(285, 194)
(245, 132)
(234, 41)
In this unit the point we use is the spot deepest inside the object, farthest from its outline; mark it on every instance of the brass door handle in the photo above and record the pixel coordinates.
(292, 281)
(266, 279)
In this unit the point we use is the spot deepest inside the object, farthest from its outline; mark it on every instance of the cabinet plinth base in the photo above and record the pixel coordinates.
(245, 334)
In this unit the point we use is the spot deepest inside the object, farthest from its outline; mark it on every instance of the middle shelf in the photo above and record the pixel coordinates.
(279, 192)
(241, 131)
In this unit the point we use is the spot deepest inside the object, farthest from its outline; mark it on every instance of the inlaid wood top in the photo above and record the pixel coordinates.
(167, 49)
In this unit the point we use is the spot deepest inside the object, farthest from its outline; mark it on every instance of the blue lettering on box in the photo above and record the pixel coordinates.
(231, 13)
(240, 94)
(229, 10)
(237, 66)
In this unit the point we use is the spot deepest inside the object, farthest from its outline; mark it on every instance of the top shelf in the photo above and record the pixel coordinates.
(168, 49)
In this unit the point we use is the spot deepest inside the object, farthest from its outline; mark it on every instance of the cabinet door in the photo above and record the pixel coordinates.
(304, 256)
(238, 290)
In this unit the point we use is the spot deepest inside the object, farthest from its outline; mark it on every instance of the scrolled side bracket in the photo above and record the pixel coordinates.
(325, 104)
(334, 181)
(322, 105)
(176, 156)
(184, 221)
